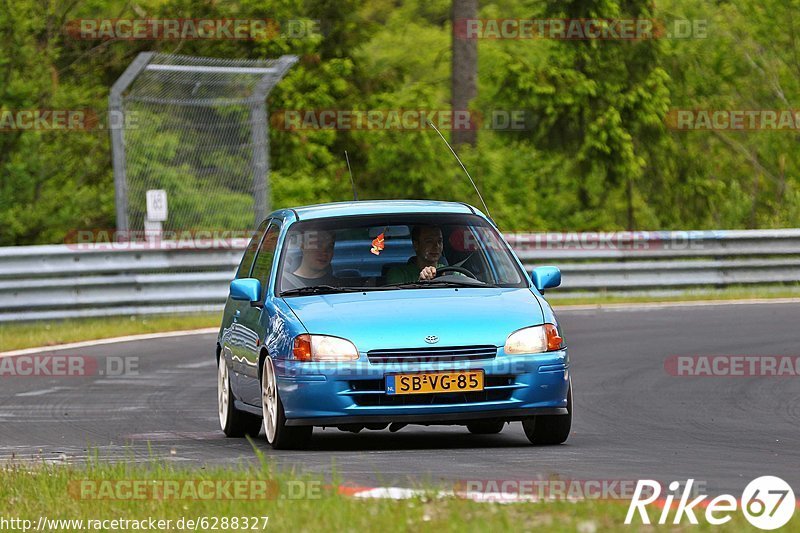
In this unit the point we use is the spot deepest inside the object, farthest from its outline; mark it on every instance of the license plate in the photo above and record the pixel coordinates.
(465, 381)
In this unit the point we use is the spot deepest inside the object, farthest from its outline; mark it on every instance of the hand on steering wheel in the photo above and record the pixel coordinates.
(462, 270)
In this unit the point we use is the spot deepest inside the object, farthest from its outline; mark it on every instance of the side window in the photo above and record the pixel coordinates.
(250, 252)
(266, 254)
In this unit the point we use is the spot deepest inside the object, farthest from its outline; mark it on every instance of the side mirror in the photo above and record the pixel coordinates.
(247, 289)
(546, 277)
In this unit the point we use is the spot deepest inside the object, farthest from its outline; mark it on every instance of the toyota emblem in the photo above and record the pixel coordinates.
(431, 339)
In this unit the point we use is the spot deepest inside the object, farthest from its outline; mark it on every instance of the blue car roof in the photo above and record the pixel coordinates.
(379, 207)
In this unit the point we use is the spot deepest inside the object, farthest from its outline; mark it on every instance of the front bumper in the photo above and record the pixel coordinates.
(329, 394)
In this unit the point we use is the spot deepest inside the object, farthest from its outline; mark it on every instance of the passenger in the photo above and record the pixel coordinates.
(428, 244)
(315, 267)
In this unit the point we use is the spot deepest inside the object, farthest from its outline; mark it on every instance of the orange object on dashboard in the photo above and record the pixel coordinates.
(377, 244)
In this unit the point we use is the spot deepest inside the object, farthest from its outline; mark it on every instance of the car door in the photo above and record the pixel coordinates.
(232, 346)
(251, 326)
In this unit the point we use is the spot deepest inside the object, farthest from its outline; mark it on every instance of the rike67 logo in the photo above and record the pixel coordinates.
(767, 502)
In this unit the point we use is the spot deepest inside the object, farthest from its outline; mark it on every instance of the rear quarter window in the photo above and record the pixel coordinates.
(250, 252)
(266, 254)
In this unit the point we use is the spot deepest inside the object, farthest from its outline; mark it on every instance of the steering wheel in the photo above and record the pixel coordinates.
(462, 270)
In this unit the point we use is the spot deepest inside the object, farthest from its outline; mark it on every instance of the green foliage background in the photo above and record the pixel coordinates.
(597, 154)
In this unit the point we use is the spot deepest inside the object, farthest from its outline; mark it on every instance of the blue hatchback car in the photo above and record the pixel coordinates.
(376, 314)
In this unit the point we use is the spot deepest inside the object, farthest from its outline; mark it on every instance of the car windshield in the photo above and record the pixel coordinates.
(388, 252)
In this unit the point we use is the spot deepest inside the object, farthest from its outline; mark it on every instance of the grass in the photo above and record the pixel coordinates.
(293, 503)
(14, 336)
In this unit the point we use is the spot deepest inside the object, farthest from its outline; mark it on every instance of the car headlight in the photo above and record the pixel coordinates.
(538, 339)
(323, 348)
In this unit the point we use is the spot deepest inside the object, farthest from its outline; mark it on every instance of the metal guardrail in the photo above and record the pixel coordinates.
(59, 281)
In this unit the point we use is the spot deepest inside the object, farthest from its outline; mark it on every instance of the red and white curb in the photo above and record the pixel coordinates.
(397, 493)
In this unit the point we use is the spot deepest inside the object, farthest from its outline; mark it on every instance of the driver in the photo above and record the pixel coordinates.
(428, 243)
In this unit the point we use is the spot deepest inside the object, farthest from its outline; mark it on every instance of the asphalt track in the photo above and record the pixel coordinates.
(633, 419)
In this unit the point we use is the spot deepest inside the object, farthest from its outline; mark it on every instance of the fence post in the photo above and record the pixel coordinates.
(116, 110)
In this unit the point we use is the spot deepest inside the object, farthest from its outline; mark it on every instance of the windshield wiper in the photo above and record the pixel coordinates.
(318, 289)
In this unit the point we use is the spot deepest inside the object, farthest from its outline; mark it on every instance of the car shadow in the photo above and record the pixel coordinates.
(415, 438)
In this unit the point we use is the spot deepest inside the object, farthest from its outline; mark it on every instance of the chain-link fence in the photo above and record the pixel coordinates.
(196, 128)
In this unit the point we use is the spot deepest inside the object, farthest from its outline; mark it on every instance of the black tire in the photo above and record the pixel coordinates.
(236, 424)
(486, 427)
(285, 437)
(548, 430)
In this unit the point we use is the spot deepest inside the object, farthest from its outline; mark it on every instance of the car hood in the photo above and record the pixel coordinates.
(404, 318)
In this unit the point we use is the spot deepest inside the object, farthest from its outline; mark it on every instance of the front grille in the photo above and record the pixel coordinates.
(432, 355)
(379, 400)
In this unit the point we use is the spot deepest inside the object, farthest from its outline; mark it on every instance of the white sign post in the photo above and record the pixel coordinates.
(156, 214)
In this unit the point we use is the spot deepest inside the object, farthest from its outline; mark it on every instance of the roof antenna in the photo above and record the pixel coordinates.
(352, 181)
(462, 166)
